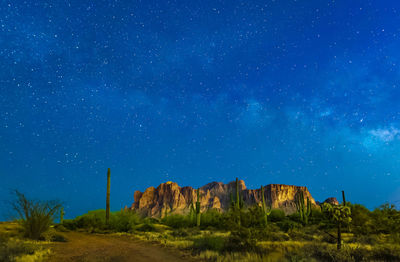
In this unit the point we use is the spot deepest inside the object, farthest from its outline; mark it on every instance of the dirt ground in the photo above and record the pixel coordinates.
(84, 247)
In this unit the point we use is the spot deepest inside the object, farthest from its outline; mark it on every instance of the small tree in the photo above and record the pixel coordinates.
(35, 217)
(341, 215)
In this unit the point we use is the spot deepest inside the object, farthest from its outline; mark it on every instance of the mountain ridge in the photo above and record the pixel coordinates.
(169, 197)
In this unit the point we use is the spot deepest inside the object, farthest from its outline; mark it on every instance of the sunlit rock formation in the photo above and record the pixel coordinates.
(170, 198)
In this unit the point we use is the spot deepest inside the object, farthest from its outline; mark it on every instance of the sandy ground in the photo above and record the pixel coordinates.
(95, 247)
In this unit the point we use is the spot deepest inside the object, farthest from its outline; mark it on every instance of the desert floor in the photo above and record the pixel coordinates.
(95, 247)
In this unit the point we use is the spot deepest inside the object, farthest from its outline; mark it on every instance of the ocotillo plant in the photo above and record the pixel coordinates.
(108, 197)
(266, 210)
(62, 213)
(303, 209)
(198, 213)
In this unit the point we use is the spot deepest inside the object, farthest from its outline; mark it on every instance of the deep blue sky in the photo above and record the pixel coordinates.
(299, 92)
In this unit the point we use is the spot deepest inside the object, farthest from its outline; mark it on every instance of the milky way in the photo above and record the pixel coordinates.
(291, 92)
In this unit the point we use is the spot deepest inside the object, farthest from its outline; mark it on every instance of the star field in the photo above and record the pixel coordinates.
(290, 92)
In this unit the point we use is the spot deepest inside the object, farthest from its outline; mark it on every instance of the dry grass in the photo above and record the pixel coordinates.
(13, 247)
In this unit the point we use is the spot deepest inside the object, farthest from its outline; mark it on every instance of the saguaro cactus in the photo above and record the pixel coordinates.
(303, 209)
(192, 212)
(266, 210)
(239, 203)
(62, 213)
(237, 194)
(198, 213)
(108, 197)
(344, 198)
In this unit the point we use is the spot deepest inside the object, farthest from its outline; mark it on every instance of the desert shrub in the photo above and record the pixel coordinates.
(331, 253)
(176, 221)
(212, 218)
(11, 249)
(36, 217)
(361, 219)
(316, 216)
(53, 236)
(300, 236)
(209, 242)
(386, 219)
(242, 239)
(288, 225)
(295, 217)
(276, 215)
(328, 238)
(253, 217)
(91, 221)
(369, 239)
(58, 238)
(386, 252)
(146, 227)
(124, 221)
(180, 232)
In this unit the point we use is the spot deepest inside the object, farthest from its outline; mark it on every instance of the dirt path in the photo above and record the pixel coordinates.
(89, 247)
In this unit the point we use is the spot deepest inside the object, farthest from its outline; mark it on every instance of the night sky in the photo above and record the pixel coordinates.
(299, 92)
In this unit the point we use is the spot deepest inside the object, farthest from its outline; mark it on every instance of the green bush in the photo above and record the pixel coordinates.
(288, 225)
(386, 219)
(212, 218)
(177, 221)
(276, 215)
(242, 239)
(209, 242)
(180, 232)
(10, 250)
(124, 221)
(298, 235)
(386, 252)
(146, 227)
(91, 221)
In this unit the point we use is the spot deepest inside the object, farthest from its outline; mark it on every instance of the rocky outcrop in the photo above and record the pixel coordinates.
(332, 201)
(170, 198)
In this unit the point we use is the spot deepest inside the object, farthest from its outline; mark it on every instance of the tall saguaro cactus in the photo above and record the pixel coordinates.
(303, 209)
(237, 203)
(62, 213)
(266, 210)
(344, 198)
(192, 212)
(198, 213)
(108, 197)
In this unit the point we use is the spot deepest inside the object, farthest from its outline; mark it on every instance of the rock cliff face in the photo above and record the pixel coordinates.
(170, 198)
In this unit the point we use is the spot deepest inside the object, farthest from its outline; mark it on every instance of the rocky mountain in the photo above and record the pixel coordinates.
(171, 198)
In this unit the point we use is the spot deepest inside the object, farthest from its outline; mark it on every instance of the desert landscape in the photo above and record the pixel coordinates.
(216, 222)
